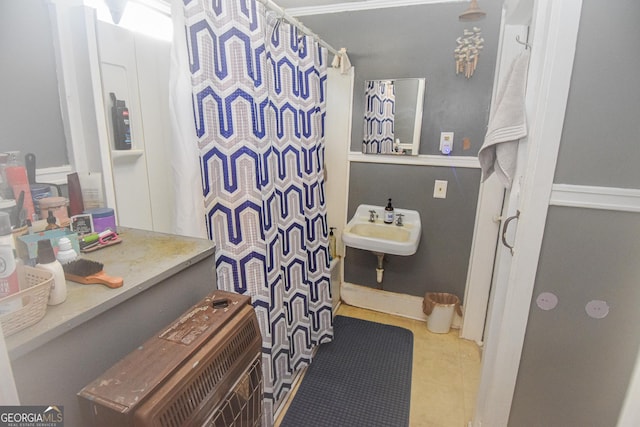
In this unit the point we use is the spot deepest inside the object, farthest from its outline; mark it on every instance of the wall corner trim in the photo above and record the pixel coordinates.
(592, 197)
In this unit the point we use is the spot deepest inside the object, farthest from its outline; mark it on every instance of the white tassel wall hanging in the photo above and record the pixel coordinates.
(468, 51)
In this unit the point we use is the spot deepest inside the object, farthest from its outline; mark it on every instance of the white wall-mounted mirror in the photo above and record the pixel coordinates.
(393, 116)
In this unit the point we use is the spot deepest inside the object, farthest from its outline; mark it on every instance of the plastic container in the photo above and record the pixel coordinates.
(39, 192)
(58, 206)
(102, 218)
(440, 308)
(47, 261)
(19, 182)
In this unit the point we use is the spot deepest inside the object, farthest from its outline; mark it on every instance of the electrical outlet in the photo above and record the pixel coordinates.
(446, 142)
(440, 189)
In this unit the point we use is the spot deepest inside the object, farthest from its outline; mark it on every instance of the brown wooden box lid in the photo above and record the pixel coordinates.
(125, 385)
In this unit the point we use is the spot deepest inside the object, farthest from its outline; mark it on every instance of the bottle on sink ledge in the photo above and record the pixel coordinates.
(388, 213)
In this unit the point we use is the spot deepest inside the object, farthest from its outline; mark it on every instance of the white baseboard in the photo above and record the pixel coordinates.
(383, 301)
(402, 305)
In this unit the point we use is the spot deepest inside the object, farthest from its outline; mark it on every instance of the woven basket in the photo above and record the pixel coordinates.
(35, 286)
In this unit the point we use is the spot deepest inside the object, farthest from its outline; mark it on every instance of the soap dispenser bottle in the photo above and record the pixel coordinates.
(332, 244)
(388, 213)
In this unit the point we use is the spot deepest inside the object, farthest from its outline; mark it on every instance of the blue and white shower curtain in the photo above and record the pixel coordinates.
(379, 117)
(259, 104)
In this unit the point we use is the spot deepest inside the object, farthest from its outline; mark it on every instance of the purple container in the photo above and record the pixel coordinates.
(103, 218)
(39, 191)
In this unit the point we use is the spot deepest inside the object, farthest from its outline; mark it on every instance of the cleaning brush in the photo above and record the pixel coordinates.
(89, 272)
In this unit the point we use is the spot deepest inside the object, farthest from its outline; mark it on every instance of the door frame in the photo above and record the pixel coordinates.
(491, 198)
(555, 30)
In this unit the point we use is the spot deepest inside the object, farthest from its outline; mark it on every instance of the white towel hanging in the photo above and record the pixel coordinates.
(507, 124)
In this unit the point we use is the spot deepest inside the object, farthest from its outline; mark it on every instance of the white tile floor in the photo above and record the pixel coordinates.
(446, 372)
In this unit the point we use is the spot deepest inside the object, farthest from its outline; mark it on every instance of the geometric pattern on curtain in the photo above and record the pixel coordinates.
(259, 89)
(379, 113)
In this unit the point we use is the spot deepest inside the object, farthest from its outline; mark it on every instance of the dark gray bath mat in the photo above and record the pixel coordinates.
(362, 378)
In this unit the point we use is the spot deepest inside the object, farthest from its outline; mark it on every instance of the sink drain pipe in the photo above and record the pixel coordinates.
(380, 269)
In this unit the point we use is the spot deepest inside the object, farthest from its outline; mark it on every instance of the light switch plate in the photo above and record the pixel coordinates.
(440, 189)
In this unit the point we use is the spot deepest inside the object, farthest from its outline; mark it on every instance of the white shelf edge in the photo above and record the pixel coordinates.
(419, 160)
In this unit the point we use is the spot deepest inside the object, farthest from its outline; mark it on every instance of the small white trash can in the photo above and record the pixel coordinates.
(439, 308)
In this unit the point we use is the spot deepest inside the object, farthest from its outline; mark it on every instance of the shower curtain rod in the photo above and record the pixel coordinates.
(271, 5)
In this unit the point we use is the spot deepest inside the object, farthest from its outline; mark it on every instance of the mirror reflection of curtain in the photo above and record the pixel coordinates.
(259, 99)
(379, 119)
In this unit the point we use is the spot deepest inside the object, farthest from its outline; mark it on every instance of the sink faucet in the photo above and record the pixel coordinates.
(399, 220)
(372, 216)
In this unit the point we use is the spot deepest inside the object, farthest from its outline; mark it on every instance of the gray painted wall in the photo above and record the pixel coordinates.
(418, 41)
(575, 369)
(600, 138)
(30, 116)
(440, 264)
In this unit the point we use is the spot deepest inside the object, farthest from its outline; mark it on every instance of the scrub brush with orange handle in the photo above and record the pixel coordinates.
(89, 272)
